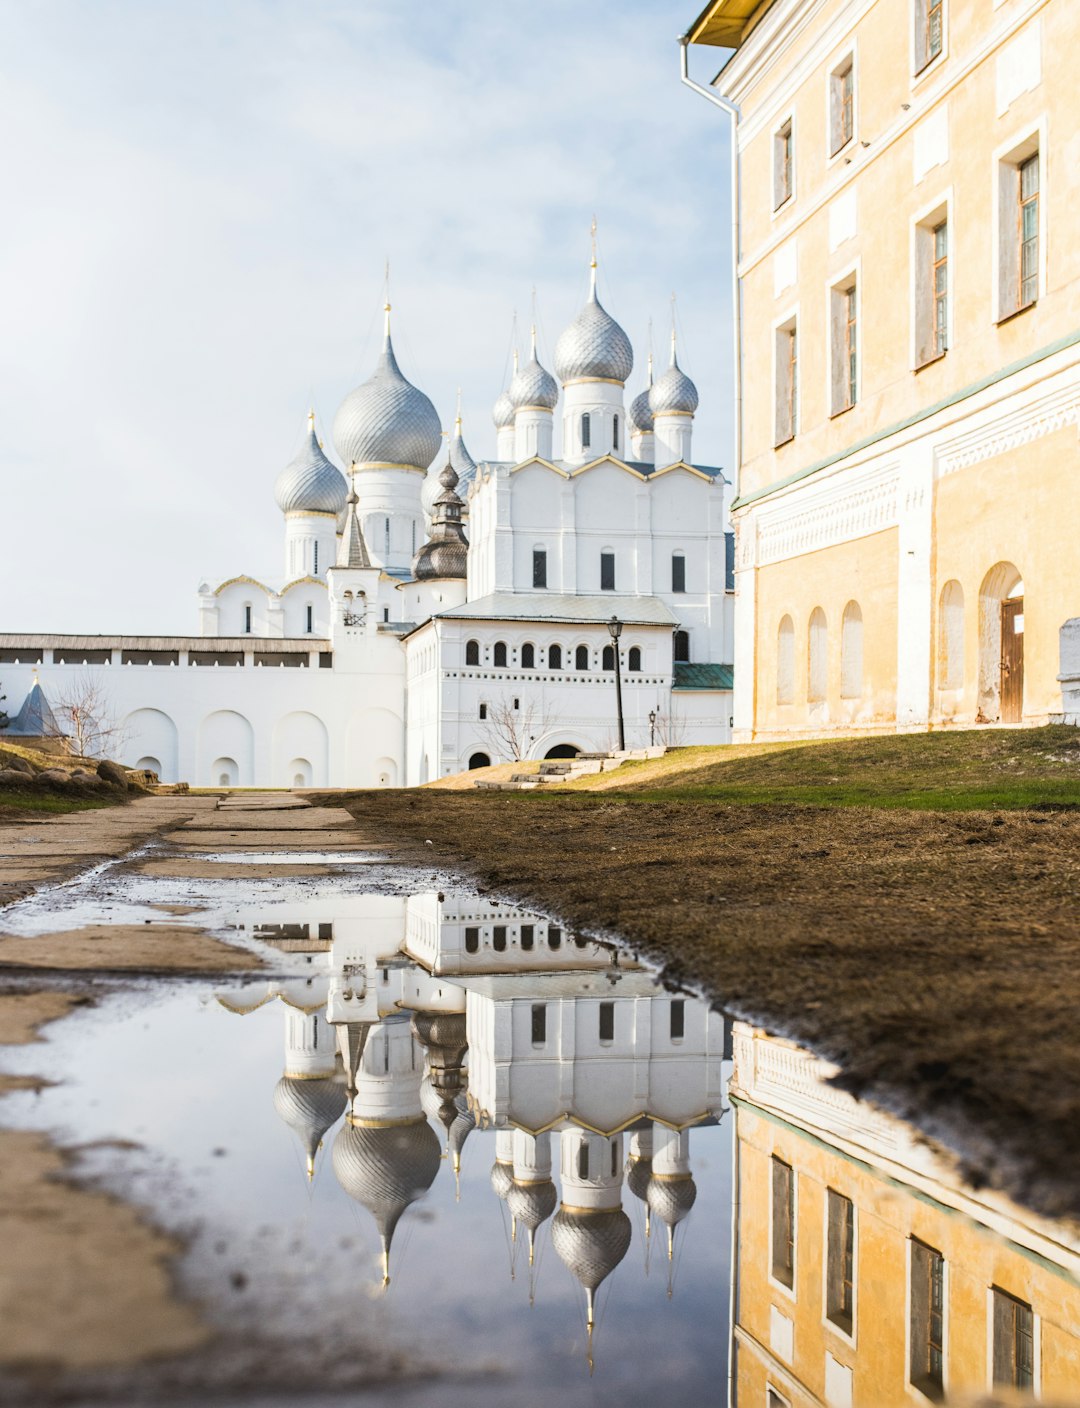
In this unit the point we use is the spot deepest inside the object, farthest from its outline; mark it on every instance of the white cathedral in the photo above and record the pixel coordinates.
(439, 614)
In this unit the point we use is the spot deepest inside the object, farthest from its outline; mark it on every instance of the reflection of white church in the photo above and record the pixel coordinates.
(590, 1075)
(437, 614)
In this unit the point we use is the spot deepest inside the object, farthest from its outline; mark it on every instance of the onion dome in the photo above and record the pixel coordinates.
(461, 461)
(387, 420)
(502, 413)
(640, 413)
(533, 385)
(310, 1108)
(309, 483)
(446, 552)
(532, 1203)
(591, 1245)
(594, 346)
(674, 392)
(502, 1178)
(671, 1198)
(638, 1173)
(385, 1169)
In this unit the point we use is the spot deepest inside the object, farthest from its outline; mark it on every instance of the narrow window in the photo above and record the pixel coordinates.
(607, 571)
(678, 572)
(615, 432)
(554, 657)
(927, 1315)
(851, 337)
(554, 937)
(845, 347)
(528, 656)
(483, 711)
(607, 1021)
(682, 647)
(586, 431)
(581, 658)
(1029, 231)
(1014, 1341)
(786, 354)
(614, 1158)
(941, 288)
(472, 652)
(472, 940)
(783, 1223)
(386, 536)
(851, 652)
(539, 567)
(498, 938)
(929, 31)
(539, 1023)
(678, 1019)
(634, 658)
(316, 573)
(817, 678)
(517, 702)
(840, 1262)
(842, 106)
(310, 619)
(608, 661)
(785, 662)
(414, 537)
(386, 613)
(247, 620)
(498, 655)
(583, 1160)
(528, 937)
(783, 164)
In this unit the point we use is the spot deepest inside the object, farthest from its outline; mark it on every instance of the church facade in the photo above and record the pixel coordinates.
(437, 613)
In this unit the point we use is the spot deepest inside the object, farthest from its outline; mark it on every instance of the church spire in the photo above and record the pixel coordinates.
(352, 550)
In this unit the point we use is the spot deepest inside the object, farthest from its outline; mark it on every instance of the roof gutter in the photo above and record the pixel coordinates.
(732, 110)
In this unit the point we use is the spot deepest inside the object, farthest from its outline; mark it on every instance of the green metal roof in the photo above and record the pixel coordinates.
(704, 677)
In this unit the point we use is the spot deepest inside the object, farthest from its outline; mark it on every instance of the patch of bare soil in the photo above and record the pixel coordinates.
(128, 948)
(934, 956)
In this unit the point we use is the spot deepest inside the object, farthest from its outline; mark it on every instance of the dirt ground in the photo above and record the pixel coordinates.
(935, 956)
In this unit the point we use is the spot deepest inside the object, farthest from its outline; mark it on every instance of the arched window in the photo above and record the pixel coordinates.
(682, 647)
(950, 661)
(479, 760)
(581, 658)
(472, 939)
(785, 662)
(678, 572)
(310, 621)
(586, 430)
(554, 657)
(498, 655)
(817, 682)
(472, 652)
(528, 656)
(615, 433)
(583, 1160)
(609, 657)
(851, 655)
(247, 619)
(634, 659)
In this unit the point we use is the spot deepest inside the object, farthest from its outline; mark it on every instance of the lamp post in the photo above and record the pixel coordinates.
(652, 728)
(615, 631)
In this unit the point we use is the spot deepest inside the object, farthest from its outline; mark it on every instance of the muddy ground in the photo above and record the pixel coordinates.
(935, 956)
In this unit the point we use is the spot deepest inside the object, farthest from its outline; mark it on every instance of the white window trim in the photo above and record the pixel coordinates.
(831, 1325)
(778, 211)
(1032, 136)
(918, 74)
(844, 153)
(788, 1291)
(837, 283)
(928, 216)
(913, 1390)
(784, 324)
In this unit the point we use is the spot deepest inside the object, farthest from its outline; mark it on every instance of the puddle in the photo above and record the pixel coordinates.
(450, 1132)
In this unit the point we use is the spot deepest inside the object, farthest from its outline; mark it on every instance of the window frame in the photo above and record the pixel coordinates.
(992, 1292)
(846, 59)
(556, 664)
(922, 61)
(783, 131)
(676, 639)
(469, 644)
(634, 655)
(924, 226)
(500, 648)
(607, 561)
(678, 578)
(924, 1384)
(786, 404)
(577, 658)
(837, 1326)
(539, 569)
(848, 281)
(1030, 141)
(528, 656)
(793, 1204)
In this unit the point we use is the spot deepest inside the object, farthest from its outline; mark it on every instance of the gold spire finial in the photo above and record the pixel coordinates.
(513, 1227)
(670, 1243)
(310, 1167)
(457, 418)
(311, 417)
(592, 238)
(385, 1266)
(532, 1245)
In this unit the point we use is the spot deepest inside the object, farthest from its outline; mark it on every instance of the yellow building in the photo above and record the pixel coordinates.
(909, 331)
(866, 1274)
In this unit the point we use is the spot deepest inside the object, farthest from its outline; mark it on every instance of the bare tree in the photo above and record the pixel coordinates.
(511, 725)
(670, 730)
(84, 719)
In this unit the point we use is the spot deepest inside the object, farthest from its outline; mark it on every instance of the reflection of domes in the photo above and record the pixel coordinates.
(591, 1244)
(502, 1178)
(309, 1108)
(637, 1177)
(671, 1198)
(309, 483)
(386, 1168)
(532, 1203)
(387, 420)
(593, 346)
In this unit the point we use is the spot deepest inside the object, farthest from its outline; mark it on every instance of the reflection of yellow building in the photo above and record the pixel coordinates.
(909, 478)
(865, 1272)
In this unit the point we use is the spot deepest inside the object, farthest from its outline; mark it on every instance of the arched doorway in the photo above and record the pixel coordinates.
(479, 760)
(562, 750)
(1001, 645)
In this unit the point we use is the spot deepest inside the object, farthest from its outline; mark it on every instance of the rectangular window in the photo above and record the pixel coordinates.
(247, 620)
(539, 567)
(607, 571)
(310, 621)
(528, 936)
(926, 1369)
(931, 300)
(842, 105)
(929, 31)
(554, 936)
(498, 938)
(941, 288)
(1019, 252)
(845, 346)
(783, 164)
(678, 573)
(386, 537)
(783, 1223)
(539, 1023)
(1029, 231)
(840, 1262)
(678, 1019)
(1014, 1341)
(483, 711)
(787, 382)
(607, 1021)
(472, 940)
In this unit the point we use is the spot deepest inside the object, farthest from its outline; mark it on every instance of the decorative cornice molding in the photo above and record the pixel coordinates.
(1030, 422)
(868, 504)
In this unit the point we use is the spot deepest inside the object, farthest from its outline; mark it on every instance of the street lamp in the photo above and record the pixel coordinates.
(615, 631)
(652, 728)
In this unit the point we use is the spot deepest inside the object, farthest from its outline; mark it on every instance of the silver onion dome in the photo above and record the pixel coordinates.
(533, 385)
(532, 1203)
(591, 1244)
(463, 463)
(594, 346)
(641, 417)
(502, 413)
(638, 1174)
(671, 1198)
(386, 1168)
(673, 392)
(309, 483)
(387, 420)
(309, 1108)
(502, 1178)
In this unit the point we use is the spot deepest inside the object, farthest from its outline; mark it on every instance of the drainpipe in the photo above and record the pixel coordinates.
(718, 100)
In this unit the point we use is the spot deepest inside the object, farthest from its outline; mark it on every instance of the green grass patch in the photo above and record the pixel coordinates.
(50, 802)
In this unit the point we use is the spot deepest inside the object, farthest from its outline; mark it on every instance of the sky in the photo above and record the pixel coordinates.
(202, 197)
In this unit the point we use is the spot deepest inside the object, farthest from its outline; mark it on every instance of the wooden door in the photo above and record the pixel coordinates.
(1012, 660)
